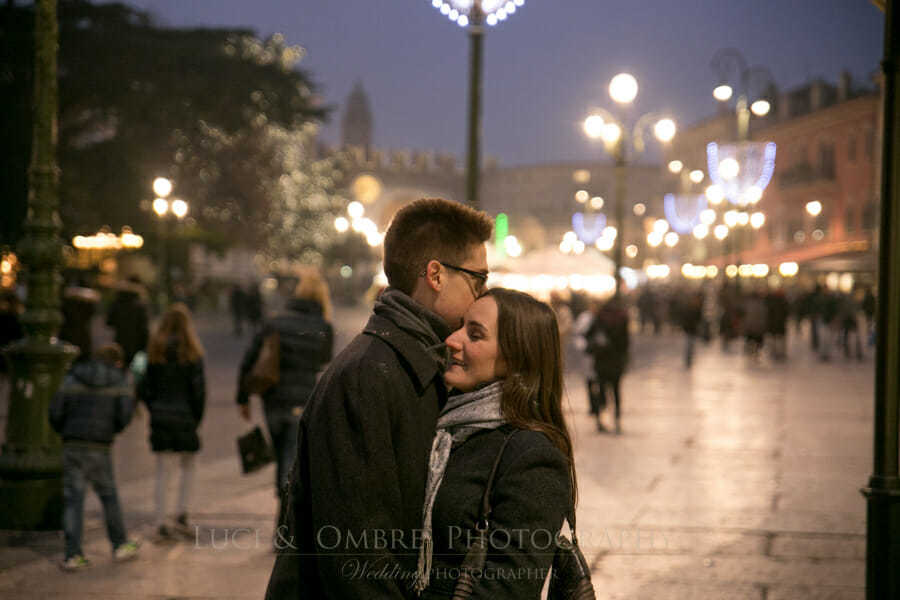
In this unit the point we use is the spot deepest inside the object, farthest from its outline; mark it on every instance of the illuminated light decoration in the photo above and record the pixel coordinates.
(757, 220)
(760, 270)
(605, 244)
(593, 126)
(581, 176)
(701, 230)
(588, 232)
(104, 240)
(664, 130)
(578, 247)
(756, 161)
(743, 218)
(696, 176)
(162, 187)
(654, 239)
(712, 271)
(788, 269)
(610, 133)
(671, 239)
(714, 194)
(818, 234)
(675, 166)
(581, 196)
(708, 216)
(683, 212)
(745, 270)
(596, 202)
(501, 230)
(341, 224)
(814, 208)
(454, 14)
(639, 209)
(610, 232)
(731, 218)
(731, 271)
(160, 206)
(570, 236)
(799, 237)
(512, 246)
(629, 276)
(631, 251)
(657, 271)
(355, 210)
(721, 232)
(660, 226)
(179, 208)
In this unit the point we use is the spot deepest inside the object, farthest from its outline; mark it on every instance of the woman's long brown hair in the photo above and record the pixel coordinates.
(175, 323)
(529, 343)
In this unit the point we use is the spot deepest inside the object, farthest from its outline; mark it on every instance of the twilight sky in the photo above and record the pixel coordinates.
(547, 64)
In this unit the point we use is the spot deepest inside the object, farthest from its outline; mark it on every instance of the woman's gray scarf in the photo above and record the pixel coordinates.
(462, 416)
(413, 318)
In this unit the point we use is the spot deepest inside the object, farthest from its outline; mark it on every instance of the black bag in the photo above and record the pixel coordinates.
(570, 577)
(255, 451)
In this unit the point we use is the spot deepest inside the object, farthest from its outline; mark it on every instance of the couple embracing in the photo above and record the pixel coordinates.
(439, 425)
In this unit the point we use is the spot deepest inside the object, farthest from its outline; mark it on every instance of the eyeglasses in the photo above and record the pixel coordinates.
(481, 278)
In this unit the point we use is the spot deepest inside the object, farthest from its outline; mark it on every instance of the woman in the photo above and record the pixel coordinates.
(174, 390)
(506, 361)
(305, 340)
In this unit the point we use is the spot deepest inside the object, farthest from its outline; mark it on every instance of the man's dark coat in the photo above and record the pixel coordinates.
(358, 484)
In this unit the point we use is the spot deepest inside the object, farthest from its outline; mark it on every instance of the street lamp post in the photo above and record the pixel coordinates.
(618, 141)
(475, 14)
(883, 490)
(30, 463)
(729, 61)
(162, 187)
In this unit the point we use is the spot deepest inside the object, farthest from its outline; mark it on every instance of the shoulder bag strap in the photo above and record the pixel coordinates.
(486, 499)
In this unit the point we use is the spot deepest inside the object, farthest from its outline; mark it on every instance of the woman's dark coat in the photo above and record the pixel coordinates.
(531, 496)
(362, 457)
(305, 346)
(608, 342)
(175, 395)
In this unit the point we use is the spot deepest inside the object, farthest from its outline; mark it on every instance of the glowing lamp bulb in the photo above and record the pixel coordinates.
(675, 166)
(623, 88)
(760, 108)
(593, 126)
(722, 93)
(664, 130)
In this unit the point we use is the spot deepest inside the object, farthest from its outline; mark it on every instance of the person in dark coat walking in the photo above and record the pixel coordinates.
(237, 304)
(607, 343)
(366, 433)
(128, 318)
(506, 362)
(691, 318)
(174, 390)
(93, 404)
(305, 339)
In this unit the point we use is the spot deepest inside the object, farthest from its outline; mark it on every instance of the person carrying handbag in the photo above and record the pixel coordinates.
(282, 364)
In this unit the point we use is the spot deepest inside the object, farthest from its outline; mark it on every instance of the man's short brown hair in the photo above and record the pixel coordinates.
(430, 228)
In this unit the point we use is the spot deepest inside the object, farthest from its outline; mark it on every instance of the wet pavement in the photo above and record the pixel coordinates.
(736, 479)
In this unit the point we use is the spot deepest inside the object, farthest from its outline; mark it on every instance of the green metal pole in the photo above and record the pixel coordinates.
(619, 155)
(883, 491)
(30, 463)
(473, 160)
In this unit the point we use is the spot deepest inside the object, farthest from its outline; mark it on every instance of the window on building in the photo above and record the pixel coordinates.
(870, 216)
(826, 159)
(870, 143)
(849, 218)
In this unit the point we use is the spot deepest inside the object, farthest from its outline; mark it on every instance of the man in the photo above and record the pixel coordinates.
(354, 502)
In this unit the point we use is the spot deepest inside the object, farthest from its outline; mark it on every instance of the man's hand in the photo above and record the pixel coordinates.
(244, 411)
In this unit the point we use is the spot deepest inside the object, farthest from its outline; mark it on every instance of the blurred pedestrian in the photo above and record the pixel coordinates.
(93, 404)
(755, 323)
(254, 306)
(366, 433)
(237, 303)
(690, 315)
(79, 304)
(648, 310)
(128, 317)
(305, 341)
(777, 309)
(174, 390)
(829, 322)
(848, 319)
(608, 343)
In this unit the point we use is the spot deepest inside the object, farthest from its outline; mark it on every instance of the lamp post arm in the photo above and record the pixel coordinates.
(637, 135)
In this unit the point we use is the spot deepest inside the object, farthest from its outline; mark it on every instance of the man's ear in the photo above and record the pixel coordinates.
(434, 275)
